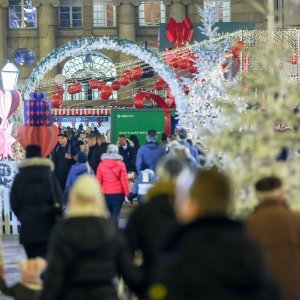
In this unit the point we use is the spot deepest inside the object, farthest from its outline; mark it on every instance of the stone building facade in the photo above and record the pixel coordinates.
(123, 18)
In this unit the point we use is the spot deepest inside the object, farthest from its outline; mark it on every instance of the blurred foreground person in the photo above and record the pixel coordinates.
(30, 285)
(149, 222)
(36, 199)
(112, 176)
(277, 230)
(210, 256)
(87, 251)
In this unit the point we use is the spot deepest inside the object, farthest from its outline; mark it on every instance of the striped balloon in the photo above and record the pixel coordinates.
(15, 101)
(45, 137)
(9, 103)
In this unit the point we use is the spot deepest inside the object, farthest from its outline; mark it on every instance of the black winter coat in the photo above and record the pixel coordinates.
(62, 164)
(129, 157)
(32, 201)
(94, 155)
(85, 256)
(212, 258)
(149, 223)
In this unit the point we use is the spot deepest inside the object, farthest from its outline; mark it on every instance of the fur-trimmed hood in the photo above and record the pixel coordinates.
(111, 156)
(36, 162)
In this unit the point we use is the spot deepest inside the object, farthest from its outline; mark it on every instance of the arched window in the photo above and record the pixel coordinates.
(84, 67)
(22, 14)
(223, 7)
(151, 13)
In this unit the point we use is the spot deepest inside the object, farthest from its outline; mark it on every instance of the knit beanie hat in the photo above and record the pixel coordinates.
(82, 157)
(33, 151)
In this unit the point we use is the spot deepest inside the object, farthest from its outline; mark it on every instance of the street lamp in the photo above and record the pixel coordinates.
(9, 74)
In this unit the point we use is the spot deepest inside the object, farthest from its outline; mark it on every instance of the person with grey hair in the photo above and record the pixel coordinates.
(182, 135)
(151, 153)
(112, 175)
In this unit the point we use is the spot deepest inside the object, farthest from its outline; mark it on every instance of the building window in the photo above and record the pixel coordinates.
(22, 14)
(104, 13)
(151, 13)
(70, 14)
(223, 9)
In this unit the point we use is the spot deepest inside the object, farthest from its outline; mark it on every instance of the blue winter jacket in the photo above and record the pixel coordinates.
(149, 154)
(75, 171)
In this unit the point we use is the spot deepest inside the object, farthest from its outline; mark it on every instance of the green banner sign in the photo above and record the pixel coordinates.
(136, 121)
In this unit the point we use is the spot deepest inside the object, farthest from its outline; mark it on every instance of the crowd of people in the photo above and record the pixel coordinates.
(180, 242)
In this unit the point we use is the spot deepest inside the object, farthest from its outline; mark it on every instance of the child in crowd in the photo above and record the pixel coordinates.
(30, 285)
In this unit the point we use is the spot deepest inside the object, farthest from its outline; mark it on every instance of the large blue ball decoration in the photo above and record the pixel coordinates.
(23, 56)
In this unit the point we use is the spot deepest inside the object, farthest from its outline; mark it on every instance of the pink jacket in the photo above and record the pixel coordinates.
(112, 175)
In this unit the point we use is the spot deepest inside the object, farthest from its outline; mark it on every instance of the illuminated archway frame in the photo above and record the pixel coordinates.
(77, 47)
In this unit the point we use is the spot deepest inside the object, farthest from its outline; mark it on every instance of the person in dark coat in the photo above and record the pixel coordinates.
(34, 192)
(94, 157)
(63, 159)
(128, 153)
(102, 145)
(150, 221)
(87, 251)
(151, 153)
(81, 167)
(277, 230)
(136, 143)
(210, 256)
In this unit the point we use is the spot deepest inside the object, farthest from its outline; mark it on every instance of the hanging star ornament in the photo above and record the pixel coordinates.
(6, 141)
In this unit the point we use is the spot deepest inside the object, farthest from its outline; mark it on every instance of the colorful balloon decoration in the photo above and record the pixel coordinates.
(38, 128)
(74, 88)
(101, 83)
(9, 103)
(137, 72)
(124, 80)
(43, 136)
(106, 92)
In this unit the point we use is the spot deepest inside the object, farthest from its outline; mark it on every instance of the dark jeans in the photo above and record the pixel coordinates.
(36, 250)
(114, 204)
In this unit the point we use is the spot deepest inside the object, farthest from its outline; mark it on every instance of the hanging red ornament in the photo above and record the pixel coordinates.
(124, 80)
(93, 83)
(127, 73)
(104, 96)
(74, 88)
(59, 90)
(56, 101)
(294, 59)
(183, 64)
(100, 84)
(137, 72)
(192, 69)
(159, 85)
(106, 91)
(174, 63)
(116, 85)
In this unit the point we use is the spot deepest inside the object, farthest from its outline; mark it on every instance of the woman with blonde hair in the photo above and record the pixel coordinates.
(87, 252)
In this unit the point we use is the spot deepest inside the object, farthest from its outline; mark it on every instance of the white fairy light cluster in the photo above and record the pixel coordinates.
(207, 86)
(252, 143)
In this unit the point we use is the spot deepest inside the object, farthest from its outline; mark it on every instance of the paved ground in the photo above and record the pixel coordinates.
(13, 252)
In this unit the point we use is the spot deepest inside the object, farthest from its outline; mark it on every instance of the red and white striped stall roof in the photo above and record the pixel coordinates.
(81, 111)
